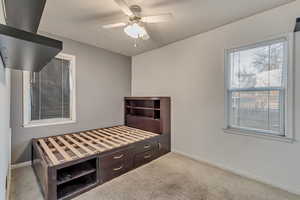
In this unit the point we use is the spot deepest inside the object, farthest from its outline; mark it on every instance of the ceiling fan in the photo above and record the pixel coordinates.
(135, 27)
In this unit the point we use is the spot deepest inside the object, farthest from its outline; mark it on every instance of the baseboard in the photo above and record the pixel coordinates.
(19, 165)
(15, 166)
(239, 172)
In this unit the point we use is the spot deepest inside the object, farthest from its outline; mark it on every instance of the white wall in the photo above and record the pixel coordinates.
(192, 73)
(5, 132)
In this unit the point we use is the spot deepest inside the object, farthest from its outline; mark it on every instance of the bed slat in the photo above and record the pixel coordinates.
(123, 135)
(137, 130)
(79, 144)
(49, 153)
(132, 133)
(89, 143)
(104, 139)
(73, 149)
(116, 137)
(96, 141)
(64, 154)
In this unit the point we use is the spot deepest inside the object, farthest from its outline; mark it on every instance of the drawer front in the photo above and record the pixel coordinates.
(145, 157)
(146, 146)
(115, 170)
(116, 157)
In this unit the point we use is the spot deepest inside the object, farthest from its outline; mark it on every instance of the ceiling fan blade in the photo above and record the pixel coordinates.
(124, 7)
(157, 18)
(115, 25)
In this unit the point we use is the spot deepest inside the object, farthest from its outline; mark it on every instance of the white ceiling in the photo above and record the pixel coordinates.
(81, 20)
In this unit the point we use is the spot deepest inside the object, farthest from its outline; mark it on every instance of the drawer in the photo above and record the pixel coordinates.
(146, 146)
(116, 157)
(145, 157)
(115, 170)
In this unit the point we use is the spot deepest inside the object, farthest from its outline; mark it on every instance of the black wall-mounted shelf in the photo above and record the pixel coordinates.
(27, 51)
(297, 27)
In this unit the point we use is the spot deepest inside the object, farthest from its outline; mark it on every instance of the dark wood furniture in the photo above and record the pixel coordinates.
(70, 164)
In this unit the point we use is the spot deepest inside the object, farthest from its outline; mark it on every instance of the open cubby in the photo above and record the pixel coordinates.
(141, 103)
(76, 171)
(157, 104)
(76, 178)
(76, 185)
(143, 113)
(156, 114)
(143, 108)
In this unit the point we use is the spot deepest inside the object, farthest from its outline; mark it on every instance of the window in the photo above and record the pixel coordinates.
(258, 88)
(49, 95)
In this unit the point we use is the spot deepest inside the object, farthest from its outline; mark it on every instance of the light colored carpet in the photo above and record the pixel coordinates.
(172, 177)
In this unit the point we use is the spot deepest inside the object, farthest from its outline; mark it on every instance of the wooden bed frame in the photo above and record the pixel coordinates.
(70, 164)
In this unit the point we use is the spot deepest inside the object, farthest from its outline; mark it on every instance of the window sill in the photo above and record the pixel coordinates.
(258, 135)
(31, 125)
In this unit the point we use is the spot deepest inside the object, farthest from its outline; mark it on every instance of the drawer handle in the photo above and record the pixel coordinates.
(119, 168)
(159, 145)
(147, 146)
(118, 157)
(147, 156)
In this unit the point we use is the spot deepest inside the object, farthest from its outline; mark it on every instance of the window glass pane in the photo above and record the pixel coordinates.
(275, 111)
(35, 96)
(276, 64)
(256, 110)
(235, 70)
(257, 67)
(50, 91)
(66, 88)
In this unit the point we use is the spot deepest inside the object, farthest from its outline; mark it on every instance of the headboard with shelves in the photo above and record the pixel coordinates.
(148, 113)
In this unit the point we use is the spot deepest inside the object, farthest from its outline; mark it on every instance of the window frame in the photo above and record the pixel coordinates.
(27, 122)
(288, 90)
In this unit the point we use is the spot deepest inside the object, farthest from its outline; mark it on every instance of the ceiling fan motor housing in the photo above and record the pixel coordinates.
(136, 9)
(135, 19)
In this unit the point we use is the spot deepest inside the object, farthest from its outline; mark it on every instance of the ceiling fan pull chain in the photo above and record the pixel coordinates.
(135, 43)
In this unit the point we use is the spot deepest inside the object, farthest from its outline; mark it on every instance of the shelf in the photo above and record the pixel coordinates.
(69, 189)
(144, 98)
(143, 117)
(76, 171)
(142, 108)
(70, 194)
(76, 175)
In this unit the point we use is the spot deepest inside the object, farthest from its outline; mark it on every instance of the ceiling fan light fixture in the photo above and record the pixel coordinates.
(135, 31)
